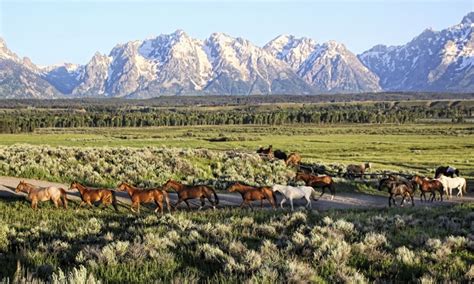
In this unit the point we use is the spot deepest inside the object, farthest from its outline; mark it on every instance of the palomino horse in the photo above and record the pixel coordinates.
(323, 182)
(294, 159)
(251, 193)
(140, 195)
(36, 194)
(186, 192)
(449, 184)
(396, 187)
(90, 195)
(292, 192)
(447, 171)
(427, 185)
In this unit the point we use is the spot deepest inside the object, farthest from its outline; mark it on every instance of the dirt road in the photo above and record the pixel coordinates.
(341, 201)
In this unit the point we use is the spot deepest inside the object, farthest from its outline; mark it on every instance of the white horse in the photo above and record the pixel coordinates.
(449, 184)
(292, 192)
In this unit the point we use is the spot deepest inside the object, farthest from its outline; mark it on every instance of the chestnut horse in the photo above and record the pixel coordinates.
(294, 159)
(35, 194)
(251, 193)
(90, 195)
(314, 181)
(186, 192)
(140, 195)
(427, 185)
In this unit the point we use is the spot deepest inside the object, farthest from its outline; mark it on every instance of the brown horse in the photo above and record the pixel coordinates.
(140, 195)
(314, 181)
(427, 185)
(36, 194)
(397, 187)
(251, 193)
(294, 159)
(268, 152)
(90, 195)
(186, 192)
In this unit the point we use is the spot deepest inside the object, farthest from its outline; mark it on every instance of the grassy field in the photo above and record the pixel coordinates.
(432, 244)
(229, 245)
(416, 147)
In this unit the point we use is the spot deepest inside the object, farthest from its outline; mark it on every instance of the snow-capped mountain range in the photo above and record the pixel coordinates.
(176, 64)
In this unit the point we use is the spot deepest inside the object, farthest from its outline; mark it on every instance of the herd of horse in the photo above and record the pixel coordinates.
(443, 183)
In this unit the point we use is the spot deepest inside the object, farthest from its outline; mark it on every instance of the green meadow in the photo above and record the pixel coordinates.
(412, 147)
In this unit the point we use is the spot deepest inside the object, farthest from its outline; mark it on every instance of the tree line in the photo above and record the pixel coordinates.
(27, 120)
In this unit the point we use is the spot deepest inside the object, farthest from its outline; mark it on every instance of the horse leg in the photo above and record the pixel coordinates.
(308, 202)
(34, 203)
(90, 204)
(333, 191)
(390, 201)
(209, 197)
(261, 202)
(323, 190)
(187, 203)
(159, 206)
(178, 202)
(291, 203)
(131, 207)
(413, 201)
(282, 201)
(202, 202)
(55, 202)
(80, 205)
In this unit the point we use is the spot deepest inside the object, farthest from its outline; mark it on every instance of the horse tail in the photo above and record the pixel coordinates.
(114, 200)
(274, 197)
(216, 198)
(63, 197)
(464, 186)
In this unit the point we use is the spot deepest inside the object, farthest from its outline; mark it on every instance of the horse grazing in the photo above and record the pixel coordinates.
(90, 195)
(251, 193)
(36, 194)
(279, 154)
(353, 171)
(323, 182)
(139, 195)
(447, 171)
(186, 192)
(292, 192)
(449, 184)
(427, 185)
(396, 187)
(294, 159)
(268, 152)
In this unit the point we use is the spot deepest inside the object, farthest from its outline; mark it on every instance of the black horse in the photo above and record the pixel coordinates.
(447, 171)
(279, 154)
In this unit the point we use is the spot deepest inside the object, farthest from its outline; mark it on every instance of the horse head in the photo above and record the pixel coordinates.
(234, 187)
(74, 185)
(21, 186)
(171, 183)
(123, 186)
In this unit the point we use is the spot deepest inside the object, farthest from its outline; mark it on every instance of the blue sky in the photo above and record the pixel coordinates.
(72, 31)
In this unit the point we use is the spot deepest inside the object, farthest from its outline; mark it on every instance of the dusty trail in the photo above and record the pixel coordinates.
(341, 201)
